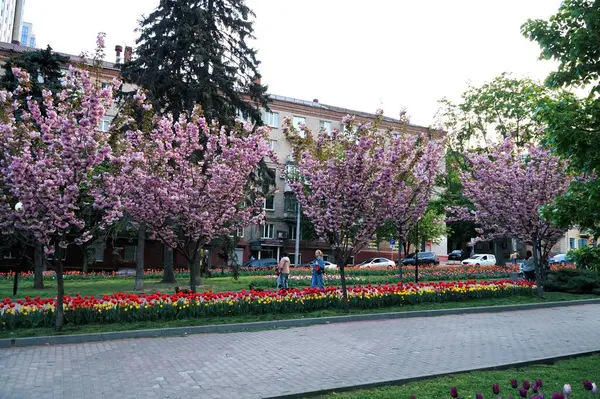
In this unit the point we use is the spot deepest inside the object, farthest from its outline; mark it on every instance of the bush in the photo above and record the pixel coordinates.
(574, 281)
(586, 257)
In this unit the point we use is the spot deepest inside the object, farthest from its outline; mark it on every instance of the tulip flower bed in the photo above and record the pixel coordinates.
(117, 308)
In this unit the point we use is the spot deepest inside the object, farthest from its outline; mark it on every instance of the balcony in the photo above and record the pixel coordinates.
(290, 208)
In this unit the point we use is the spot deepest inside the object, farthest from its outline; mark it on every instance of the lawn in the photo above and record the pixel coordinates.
(572, 371)
(100, 328)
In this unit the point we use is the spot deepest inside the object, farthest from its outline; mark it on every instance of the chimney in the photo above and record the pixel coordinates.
(118, 50)
(315, 100)
(128, 53)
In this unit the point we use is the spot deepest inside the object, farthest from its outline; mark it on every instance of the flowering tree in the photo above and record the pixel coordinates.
(507, 188)
(344, 186)
(189, 182)
(50, 164)
(415, 172)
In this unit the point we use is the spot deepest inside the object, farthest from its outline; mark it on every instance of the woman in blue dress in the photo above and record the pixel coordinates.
(318, 268)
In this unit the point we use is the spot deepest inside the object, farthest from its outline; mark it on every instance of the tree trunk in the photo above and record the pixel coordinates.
(197, 269)
(16, 282)
(86, 262)
(168, 275)
(60, 285)
(538, 269)
(400, 245)
(139, 261)
(192, 267)
(38, 266)
(343, 283)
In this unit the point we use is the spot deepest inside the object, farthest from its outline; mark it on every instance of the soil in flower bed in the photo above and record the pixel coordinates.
(101, 328)
(572, 372)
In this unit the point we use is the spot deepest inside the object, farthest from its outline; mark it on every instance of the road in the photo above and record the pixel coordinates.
(276, 362)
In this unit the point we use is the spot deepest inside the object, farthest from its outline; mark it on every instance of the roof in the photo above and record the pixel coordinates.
(16, 48)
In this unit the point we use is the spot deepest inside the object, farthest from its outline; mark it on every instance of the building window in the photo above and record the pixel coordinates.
(99, 252)
(297, 121)
(268, 231)
(270, 118)
(104, 125)
(106, 85)
(350, 261)
(293, 261)
(325, 125)
(292, 232)
(269, 203)
(240, 232)
(583, 242)
(273, 144)
(571, 243)
(130, 253)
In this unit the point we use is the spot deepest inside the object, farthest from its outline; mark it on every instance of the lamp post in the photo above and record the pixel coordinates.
(297, 248)
(417, 253)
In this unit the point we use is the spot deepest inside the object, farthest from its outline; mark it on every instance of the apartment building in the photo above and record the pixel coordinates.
(27, 35)
(11, 19)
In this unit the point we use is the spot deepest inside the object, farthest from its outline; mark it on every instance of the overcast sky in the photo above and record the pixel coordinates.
(356, 54)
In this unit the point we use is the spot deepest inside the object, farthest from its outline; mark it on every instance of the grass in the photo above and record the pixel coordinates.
(572, 371)
(100, 328)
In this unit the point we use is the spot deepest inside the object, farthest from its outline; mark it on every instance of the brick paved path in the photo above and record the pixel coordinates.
(271, 363)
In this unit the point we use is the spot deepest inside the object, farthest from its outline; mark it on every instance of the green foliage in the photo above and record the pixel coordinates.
(586, 258)
(572, 124)
(574, 281)
(196, 52)
(431, 228)
(498, 109)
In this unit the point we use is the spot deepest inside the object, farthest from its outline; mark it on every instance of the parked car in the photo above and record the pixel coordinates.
(126, 272)
(457, 254)
(261, 263)
(561, 259)
(480, 260)
(425, 258)
(329, 265)
(377, 262)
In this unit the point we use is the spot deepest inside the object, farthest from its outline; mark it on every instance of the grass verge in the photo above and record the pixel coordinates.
(572, 371)
(101, 328)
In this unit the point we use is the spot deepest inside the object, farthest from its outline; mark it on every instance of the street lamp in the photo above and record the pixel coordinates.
(297, 248)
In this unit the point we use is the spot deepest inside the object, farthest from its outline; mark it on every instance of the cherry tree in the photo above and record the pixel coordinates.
(188, 181)
(52, 154)
(507, 188)
(345, 186)
(415, 172)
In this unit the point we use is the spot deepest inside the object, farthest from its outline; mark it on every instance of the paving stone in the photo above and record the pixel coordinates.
(277, 362)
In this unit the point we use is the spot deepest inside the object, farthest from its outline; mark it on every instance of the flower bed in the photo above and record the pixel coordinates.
(304, 280)
(119, 307)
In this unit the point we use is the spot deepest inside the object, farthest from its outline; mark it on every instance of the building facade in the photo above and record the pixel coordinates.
(11, 19)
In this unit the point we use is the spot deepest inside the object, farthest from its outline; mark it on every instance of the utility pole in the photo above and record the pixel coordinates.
(417, 253)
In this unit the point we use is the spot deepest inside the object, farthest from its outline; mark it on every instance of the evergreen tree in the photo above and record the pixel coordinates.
(196, 52)
(44, 67)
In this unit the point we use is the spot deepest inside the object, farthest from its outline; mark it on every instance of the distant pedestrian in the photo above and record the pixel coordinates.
(529, 267)
(318, 268)
(513, 257)
(284, 271)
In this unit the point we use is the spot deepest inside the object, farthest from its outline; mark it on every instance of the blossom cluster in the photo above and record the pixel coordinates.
(121, 307)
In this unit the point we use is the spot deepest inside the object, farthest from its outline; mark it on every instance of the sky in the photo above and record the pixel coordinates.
(361, 55)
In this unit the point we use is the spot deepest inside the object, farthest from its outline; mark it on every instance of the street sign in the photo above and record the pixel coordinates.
(392, 242)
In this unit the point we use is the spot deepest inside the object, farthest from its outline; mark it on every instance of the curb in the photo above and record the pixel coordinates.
(266, 325)
(402, 381)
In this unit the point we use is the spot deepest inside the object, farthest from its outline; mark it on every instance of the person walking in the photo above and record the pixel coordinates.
(513, 257)
(284, 271)
(318, 268)
(529, 267)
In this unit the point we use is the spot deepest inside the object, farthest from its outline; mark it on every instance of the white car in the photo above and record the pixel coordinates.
(378, 262)
(329, 265)
(480, 260)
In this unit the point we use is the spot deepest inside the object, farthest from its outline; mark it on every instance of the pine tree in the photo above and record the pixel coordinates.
(196, 52)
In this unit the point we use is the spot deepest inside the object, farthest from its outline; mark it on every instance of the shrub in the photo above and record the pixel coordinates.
(574, 281)
(586, 257)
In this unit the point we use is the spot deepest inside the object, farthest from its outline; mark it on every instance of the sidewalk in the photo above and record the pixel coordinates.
(292, 361)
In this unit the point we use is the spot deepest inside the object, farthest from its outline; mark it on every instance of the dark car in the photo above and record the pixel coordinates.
(425, 258)
(261, 263)
(457, 254)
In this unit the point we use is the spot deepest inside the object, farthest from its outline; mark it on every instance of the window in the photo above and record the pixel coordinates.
(582, 243)
(130, 253)
(270, 118)
(293, 261)
(325, 125)
(24, 34)
(104, 125)
(350, 261)
(297, 121)
(240, 116)
(292, 232)
(273, 144)
(106, 85)
(269, 203)
(64, 255)
(239, 232)
(268, 231)
(32, 42)
(571, 243)
(99, 252)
